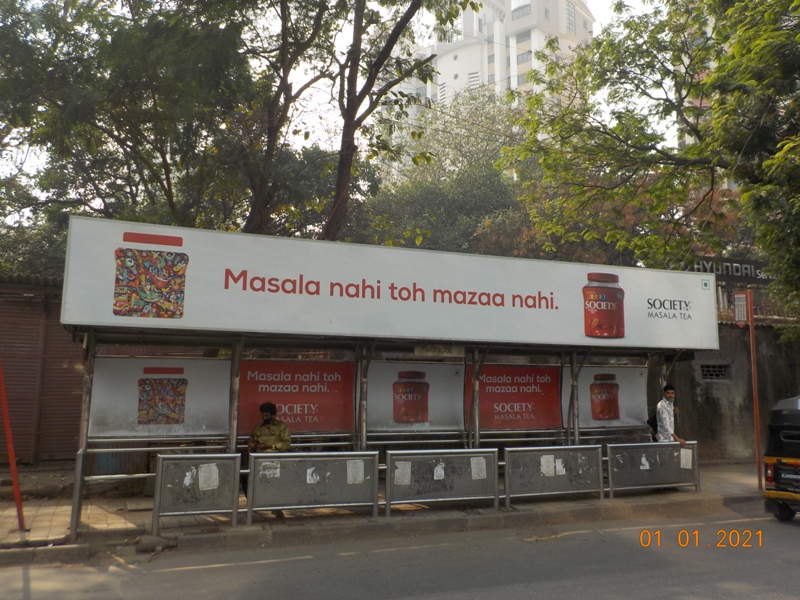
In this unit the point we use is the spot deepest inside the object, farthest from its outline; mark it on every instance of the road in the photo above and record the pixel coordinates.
(727, 555)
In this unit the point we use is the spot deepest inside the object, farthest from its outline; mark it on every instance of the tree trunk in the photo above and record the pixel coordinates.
(337, 220)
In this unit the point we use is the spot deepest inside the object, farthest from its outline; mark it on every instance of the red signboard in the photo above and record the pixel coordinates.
(312, 397)
(517, 397)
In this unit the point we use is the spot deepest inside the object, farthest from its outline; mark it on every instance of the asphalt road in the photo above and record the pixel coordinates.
(727, 555)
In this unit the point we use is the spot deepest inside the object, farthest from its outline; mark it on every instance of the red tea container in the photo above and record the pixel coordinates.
(603, 306)
(410, 397)
(604, 394)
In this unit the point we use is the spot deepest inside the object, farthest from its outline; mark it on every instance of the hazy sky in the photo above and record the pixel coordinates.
(601, 9)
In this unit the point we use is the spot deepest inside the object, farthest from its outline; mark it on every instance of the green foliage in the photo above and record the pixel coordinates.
(687, 145)
(757, 122)
(437, 215)
(622, 141)
(190, 113)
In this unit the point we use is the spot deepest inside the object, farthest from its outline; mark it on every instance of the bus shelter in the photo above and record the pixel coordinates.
(361, 346)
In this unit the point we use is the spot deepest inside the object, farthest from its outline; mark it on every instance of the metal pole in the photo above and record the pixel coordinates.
(475, 420)
(12, 458)
(83, 440)
(754, 371)
(362, 400)
(573, 399)
(233, 395)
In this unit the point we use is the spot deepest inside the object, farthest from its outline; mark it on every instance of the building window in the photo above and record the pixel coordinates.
(490, 79)
(490, 60)
(570, 17)
(490, 39)
(523, 36)
(474, 80)
(523, 57)
(547, 13)
(522, 79)
(520, 12)
(508, 62)
(715, 372)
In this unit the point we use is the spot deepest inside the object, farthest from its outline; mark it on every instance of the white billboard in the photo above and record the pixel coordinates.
(122, 274)
(153, 397)
(415, 397)
(608, 397)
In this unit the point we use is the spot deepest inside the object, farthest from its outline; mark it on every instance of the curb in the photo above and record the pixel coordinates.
(67, 554)
(132, 545)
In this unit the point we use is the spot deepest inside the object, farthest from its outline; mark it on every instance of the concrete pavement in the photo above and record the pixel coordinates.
(113, 521)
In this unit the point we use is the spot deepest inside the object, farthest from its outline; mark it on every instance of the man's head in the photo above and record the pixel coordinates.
(268, 411)
(669, 392)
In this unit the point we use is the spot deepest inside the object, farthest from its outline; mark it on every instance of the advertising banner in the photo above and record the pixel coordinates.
(415, 397)
(608, 396)
(154, 397)
(311, 397)
(142, 276)
(516, 397)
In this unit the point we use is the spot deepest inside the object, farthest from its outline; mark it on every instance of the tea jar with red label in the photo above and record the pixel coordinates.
(604, 394)
(410, 397)
(603, 306)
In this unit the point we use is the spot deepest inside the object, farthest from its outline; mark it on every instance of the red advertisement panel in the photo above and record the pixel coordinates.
(517, 397)
(312, 397)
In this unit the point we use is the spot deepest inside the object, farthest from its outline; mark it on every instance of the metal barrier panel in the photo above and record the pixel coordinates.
(429, 475)
(312, 479)
(657, 464)
(196, 484)
(553, 470)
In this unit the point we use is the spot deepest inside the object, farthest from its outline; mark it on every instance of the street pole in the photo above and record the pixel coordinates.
(754, 371)
(744, 315)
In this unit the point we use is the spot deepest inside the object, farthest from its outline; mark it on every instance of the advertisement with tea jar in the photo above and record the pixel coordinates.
(415, 397)
(155, 397)
(311, 396)
(128, 275)
(515, 397)
(603, 306)
(609, 396)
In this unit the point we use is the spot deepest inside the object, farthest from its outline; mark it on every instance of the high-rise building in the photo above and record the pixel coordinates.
(495, 45)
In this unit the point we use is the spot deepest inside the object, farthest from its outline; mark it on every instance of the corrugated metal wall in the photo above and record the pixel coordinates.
(43, 374)
(60, 418)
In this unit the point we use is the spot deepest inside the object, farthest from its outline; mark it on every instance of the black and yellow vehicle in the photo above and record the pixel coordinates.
(782, 460)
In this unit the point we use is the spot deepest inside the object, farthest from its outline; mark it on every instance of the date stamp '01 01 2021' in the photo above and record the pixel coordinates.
(690, 538)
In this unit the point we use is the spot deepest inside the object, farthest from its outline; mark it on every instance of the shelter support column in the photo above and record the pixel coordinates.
(83, 439)
(364, 359)
(475, 419)
(233, 398)
(573, 421)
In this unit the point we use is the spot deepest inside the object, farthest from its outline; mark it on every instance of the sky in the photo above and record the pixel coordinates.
(601, 9)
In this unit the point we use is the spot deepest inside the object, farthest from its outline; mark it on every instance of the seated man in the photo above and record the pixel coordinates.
(271, 435)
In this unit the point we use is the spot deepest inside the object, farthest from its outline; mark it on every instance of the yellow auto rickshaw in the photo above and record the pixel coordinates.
(782, 460)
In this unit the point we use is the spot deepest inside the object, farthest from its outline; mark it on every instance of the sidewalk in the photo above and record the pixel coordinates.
(120, 524)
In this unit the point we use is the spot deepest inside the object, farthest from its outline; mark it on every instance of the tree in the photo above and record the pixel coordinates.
(187, 113)
(377, 61)
(756, 110)
(436, 141)
(440, 183)
(118, 137)
(624, 140)
(436, 215)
